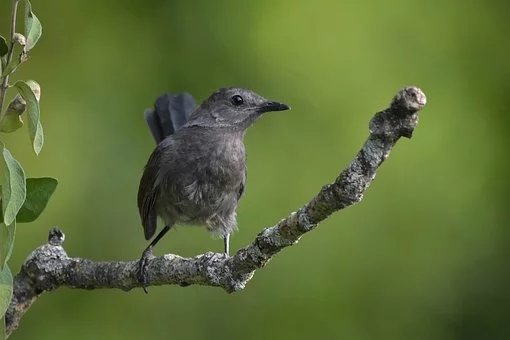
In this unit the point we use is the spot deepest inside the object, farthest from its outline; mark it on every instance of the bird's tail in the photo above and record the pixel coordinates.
(170, 112)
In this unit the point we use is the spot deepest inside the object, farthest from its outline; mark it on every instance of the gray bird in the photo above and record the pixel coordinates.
(197, 173)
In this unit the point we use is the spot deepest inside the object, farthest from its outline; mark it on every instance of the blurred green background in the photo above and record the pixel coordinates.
(424, 256)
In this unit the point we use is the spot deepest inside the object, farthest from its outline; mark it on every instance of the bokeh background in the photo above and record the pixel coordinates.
(424, 256)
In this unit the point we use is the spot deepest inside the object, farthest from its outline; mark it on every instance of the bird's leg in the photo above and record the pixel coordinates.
(226, 243)
(146, 255)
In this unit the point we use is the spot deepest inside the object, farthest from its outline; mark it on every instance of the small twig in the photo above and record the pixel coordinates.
(49, 267)
(5, 80)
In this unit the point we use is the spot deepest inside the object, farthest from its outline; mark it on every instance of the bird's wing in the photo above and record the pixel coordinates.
(147, 195)
(242, 186)
(170, 112)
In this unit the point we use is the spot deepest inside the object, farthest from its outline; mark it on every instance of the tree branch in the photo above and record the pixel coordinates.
(49, 266)
(5, 80)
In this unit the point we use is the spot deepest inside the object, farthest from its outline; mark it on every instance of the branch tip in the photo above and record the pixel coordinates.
(408, 101)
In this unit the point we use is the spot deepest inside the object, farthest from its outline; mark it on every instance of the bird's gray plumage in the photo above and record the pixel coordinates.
(171, 111)
(194, 177)
(197, 174)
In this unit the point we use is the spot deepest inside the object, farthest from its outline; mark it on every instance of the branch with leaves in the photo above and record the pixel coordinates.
(23, 199)
(49, 267)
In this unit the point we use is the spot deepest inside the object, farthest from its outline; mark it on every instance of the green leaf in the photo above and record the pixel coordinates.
(30, 91)
(6, 242)
(12, 119)
(13, 187)
(6, 282)
(3, 46)
(33, 27)
(39, 191)
(11, 123)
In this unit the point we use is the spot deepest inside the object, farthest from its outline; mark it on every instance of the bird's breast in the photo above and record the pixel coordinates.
(224, 168)
(208, 183)
(215, 178)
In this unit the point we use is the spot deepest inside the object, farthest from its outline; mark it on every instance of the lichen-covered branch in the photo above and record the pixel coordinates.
(49, 266)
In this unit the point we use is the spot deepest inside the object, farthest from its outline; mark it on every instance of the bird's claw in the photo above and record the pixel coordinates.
(143, 264)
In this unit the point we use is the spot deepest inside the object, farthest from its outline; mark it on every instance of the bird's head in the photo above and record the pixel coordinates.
(233, 107)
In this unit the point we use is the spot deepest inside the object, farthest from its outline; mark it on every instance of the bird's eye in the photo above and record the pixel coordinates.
(237, 100)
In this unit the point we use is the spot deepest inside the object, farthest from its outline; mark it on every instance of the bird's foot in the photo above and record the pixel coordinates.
(142, 268)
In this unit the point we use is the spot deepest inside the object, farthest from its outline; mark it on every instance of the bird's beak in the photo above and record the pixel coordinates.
(273, 106)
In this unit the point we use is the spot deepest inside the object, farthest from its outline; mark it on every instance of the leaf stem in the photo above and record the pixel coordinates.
(5, 80)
